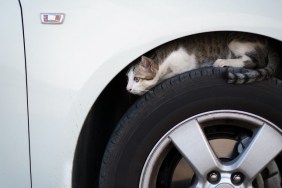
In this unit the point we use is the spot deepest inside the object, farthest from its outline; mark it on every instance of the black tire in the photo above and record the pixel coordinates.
(172, 102)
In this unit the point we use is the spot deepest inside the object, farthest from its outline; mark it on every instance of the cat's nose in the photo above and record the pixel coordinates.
(129, 89)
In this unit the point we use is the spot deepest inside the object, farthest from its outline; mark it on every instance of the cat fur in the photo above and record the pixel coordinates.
(223, 49)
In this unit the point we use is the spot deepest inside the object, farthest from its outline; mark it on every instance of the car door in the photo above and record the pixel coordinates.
(14, 140)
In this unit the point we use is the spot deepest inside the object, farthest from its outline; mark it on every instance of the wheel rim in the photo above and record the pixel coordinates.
(207, 153)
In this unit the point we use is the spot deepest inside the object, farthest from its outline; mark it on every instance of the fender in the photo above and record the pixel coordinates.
(70, 64)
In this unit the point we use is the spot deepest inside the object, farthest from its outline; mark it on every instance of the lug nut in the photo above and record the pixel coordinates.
(213, 177)
(237, 178)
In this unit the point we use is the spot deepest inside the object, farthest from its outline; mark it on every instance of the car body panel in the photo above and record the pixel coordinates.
(14, 157)
(69, 64)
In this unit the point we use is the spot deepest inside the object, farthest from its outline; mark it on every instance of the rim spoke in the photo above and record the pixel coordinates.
(264, 147)
(191, 142)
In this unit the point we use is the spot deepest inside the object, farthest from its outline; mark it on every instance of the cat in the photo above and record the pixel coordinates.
(244, 50)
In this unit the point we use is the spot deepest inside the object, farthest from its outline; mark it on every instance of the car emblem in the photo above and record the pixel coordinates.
(52, 18)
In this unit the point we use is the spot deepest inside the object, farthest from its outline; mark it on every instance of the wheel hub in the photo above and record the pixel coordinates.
(218, 180)
(192, 140)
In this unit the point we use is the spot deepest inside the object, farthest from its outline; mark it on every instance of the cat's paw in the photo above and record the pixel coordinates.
(220, 63)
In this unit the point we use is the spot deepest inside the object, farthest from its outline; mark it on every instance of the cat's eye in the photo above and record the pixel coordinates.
(136, 79)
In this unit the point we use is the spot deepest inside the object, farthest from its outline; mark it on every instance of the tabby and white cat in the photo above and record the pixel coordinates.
(221, 49)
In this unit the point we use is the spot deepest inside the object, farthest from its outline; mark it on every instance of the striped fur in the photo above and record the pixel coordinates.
(252, 75)
(251, 53)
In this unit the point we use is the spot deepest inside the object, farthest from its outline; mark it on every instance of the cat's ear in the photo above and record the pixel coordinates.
(148, 63)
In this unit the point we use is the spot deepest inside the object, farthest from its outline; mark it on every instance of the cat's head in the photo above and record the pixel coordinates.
(142, 76)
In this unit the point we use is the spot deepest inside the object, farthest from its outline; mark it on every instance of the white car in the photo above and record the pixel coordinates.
(68, 121)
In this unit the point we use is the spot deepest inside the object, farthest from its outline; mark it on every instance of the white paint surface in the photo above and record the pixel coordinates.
(14, 148)
(70, 64)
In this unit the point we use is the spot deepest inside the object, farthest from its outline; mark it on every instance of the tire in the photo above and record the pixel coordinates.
(179, 101)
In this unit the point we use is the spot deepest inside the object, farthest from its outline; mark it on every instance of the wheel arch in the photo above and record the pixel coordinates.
(111, 103)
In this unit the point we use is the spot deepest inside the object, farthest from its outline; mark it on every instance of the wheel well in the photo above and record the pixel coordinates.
(104, 115)
(98, 126)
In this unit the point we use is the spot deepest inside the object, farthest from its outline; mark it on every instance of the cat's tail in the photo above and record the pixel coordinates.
(252, 75)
